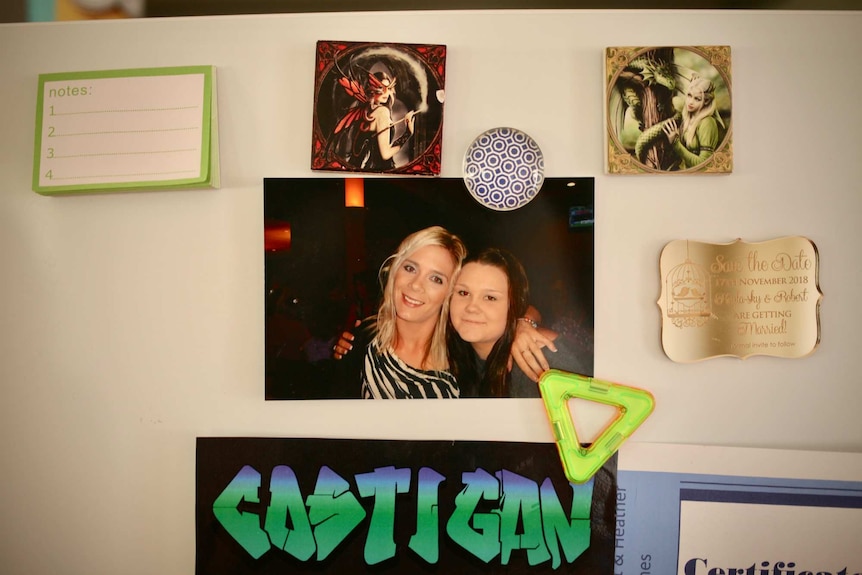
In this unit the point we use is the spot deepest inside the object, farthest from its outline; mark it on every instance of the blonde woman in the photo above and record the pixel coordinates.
(406, 357)
(695, 139)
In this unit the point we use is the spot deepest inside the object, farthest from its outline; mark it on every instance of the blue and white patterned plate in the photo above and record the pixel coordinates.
(504, 169)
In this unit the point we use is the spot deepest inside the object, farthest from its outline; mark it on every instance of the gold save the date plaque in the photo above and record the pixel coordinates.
(740, 299)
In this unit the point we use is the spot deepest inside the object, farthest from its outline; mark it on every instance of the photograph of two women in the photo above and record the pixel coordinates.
(407, 288)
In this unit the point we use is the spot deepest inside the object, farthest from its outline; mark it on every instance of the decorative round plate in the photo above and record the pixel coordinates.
(504, 169)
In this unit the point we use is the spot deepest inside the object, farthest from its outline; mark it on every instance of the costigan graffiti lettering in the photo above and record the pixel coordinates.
(492, 515)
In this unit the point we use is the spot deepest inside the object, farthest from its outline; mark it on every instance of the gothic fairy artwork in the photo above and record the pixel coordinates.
(378, 108)
(668, 110)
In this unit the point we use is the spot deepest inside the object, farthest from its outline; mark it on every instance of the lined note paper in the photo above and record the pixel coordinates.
(125, 129)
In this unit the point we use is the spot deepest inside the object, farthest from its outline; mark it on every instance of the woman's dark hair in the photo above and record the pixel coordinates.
(463, 362)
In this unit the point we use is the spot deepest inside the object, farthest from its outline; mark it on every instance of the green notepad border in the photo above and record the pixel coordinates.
(206, 133)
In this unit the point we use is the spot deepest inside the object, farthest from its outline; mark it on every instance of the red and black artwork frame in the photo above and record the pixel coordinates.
(348, 76)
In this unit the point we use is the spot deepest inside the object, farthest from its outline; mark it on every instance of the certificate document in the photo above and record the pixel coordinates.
(698, 510)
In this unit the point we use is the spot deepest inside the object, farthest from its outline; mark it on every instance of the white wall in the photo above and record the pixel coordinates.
(133, 323)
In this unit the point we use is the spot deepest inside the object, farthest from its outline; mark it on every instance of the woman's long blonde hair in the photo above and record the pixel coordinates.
(705, 87)
(387, 334)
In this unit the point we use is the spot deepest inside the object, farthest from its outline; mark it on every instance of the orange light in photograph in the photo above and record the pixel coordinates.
(276, 236)
(354, 193)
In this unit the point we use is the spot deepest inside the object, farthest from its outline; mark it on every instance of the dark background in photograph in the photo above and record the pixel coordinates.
(324, 277)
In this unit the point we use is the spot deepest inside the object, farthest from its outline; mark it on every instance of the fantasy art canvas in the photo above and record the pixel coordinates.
(378, 108)
(668, 110)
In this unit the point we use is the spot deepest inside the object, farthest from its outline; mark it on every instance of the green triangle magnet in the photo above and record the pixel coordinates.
(634, 406)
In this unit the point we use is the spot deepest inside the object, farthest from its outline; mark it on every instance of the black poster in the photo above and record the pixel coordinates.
(368, 506)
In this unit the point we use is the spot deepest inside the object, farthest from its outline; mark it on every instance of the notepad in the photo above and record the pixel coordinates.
(123, 130)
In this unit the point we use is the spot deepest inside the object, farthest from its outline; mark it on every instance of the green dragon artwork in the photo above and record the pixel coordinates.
(645, 93)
